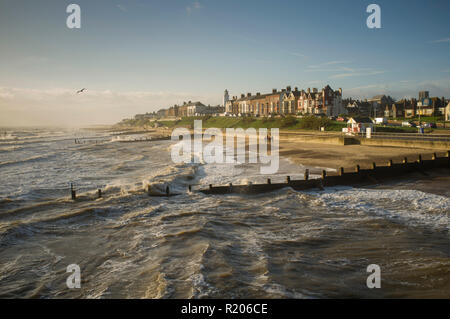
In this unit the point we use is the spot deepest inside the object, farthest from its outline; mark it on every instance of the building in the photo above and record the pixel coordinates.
(326, 102)
(411, 109)
(424, 95)
(173, 111)
(359, 108)
(195, 108)
(286, 102)
(447, 112)
(226, 97)
(289, 101)
(359, 124)
(430, 106)
(161, 113)
(398, 109)
(379, 103)
(229, 106)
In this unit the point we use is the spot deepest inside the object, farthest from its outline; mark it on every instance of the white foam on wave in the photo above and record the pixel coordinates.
(411, 207)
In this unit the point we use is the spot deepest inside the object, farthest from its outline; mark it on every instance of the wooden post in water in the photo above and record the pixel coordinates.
(358, 169)
(374, 165)
(288, 179)
(210, 186)
(269, 181)
(420, 159)
(167, 190)
(190, 188)
(73, 192)
(341, 171)
(434, 157)
(324, 174)
(99, 193)
(390, 163)
(306, 174)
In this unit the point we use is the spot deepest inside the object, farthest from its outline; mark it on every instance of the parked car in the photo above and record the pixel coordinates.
(408, 124)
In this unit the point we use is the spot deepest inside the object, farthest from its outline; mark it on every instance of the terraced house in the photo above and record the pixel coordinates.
(326, 102)
(287, 101)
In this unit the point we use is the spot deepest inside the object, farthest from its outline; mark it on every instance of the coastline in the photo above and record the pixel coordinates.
(323, 155)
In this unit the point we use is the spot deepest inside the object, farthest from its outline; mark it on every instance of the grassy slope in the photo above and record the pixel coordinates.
(287, 123)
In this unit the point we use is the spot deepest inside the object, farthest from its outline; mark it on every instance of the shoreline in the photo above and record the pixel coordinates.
(332, 156)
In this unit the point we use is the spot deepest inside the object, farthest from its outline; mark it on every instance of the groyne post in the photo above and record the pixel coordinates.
(358, 169)
(341, 171)
(405, 160)
(167, 190)
(306, 174)
(390, 163)
(324, 174)
(374, 165)
(434, 157)
(288, 179)
(99, 193)
(420, 159)
(190, 188)
(73, 192)
(269, 181)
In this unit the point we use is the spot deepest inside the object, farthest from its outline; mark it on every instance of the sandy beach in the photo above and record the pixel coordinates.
(348, 156)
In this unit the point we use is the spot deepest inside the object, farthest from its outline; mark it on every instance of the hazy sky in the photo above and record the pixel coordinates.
(138, 56)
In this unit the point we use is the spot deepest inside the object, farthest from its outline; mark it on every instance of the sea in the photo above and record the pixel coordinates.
(132, 244)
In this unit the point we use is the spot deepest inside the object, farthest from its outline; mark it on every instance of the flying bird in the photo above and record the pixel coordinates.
(80, 91)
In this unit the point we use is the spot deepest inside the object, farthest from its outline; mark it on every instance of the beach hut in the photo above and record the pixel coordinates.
(359, 125)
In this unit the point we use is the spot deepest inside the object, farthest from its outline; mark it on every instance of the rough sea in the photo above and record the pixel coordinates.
(285, 244)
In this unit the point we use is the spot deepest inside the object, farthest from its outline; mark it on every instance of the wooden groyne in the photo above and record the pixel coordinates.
(376, 174)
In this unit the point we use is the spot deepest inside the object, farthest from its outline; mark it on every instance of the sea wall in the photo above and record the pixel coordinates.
(334, 140)
(409, 143)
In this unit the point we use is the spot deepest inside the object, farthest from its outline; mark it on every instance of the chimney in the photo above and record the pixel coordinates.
(288, 88)
(249, 94)
(283, 90)
(242, 96)
(258, 94)
(274, 90)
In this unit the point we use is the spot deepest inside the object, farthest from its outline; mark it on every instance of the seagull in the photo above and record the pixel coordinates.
(80, 91)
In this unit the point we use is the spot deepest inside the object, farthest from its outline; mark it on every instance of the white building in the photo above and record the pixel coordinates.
(194, 108)
(359, 125)
(447, 112)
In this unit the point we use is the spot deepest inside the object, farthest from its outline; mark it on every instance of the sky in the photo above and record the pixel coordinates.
(138, 56)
